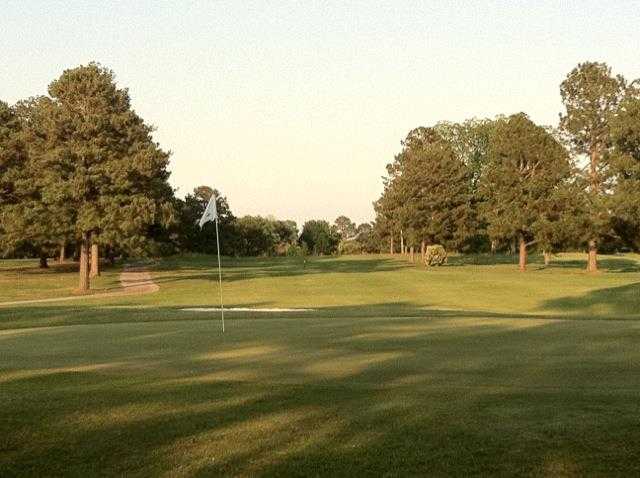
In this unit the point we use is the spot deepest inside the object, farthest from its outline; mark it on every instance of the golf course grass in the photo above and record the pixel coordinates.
(469, 369)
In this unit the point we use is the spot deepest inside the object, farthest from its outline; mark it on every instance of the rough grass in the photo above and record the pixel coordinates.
(383, 379)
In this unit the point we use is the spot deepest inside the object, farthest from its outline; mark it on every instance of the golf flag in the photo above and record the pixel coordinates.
(210, 213)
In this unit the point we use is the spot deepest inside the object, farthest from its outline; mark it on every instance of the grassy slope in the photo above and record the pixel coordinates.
(346, 390)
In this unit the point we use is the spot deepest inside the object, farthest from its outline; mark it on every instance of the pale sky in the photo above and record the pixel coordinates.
(294, 108)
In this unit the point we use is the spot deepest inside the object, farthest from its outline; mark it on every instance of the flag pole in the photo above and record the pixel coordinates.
(219, 273)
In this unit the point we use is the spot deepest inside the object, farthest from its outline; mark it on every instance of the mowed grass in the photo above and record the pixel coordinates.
(21, 279)
(470, 369)
(392, 286)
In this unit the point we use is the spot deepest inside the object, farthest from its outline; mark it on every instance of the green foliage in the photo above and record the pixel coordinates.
(434, 185)
(435, 255)
(344, 227)
(319, 237)
(297, 250)
(525, 185)
(625, 169)
(591, 96)
(350, 247)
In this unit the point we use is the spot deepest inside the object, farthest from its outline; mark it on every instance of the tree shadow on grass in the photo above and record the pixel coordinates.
(368, 398)
(481, 259)
(608, 264)
(608, 302)
(235, 270)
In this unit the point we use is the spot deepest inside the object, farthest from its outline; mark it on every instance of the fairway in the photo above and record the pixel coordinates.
(380, 378)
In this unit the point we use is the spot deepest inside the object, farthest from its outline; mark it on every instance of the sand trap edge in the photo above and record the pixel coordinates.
(242, 309)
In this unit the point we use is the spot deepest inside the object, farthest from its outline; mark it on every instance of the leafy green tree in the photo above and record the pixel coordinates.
(470, 141)
(287, 233)
(625, 168)
(203, 240)
(344, 227)
(591, 96)
(524, 184)
(434, 185)
(319, 237)
(29, 215)
(366, 237)
(101, 164)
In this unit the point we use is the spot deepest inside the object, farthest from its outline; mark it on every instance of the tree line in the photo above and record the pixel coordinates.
(257, 235)
(491, 184)
(81, 176)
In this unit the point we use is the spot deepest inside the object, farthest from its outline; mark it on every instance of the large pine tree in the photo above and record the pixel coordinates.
(101, 164)
(591, 95)
(524, 183)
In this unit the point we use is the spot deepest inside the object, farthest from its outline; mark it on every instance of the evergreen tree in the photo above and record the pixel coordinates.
(591, 95)
(102, 164)
(29, 213)
(524, 184)
(625, 168)
(434, 187)
(344, 227)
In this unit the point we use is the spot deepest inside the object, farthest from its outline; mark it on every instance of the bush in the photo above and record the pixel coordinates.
(296, 250)
(435, 255)
(350, 247)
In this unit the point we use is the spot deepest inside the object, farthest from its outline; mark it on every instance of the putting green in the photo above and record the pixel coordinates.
(352, 396)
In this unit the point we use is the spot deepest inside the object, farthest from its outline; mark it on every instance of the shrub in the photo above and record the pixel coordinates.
(296, 250)
(435, 255)
(350, 247)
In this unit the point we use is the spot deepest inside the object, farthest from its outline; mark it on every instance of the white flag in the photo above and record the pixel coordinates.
(210, 213)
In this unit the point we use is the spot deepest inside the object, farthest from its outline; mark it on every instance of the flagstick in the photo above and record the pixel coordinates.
(219, 274)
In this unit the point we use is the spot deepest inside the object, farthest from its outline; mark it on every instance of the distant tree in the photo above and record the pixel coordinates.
(344, 227)
(591, 95)
(203, 240)
(524, 184)
(286, 232)
(257, 236)
(366, 237)
(319, 237)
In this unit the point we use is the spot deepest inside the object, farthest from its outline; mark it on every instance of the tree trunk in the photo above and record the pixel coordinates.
(592, 263)
(391, 246)
(43, 262)
(512, 248)
(62, 253)
(547, 257)
(522, 261)
(494, 246)
(402, 251)
(423, 247)
(95, 260)
(84, 262)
